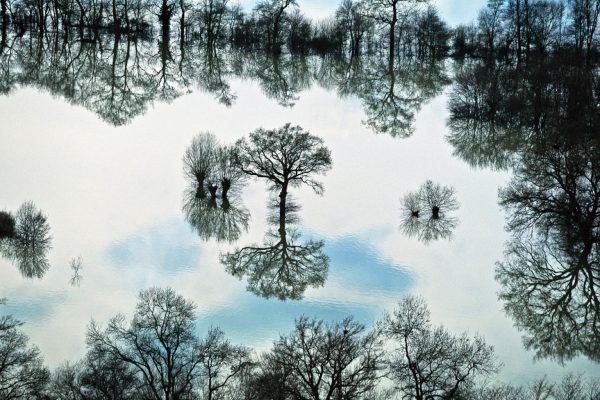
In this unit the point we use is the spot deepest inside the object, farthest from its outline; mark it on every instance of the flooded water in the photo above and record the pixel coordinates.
(94, 137)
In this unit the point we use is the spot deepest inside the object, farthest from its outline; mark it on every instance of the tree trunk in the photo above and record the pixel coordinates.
(282, 207)
(393, 32)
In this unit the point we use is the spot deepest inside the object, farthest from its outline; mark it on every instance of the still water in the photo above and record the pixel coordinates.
(107, 171)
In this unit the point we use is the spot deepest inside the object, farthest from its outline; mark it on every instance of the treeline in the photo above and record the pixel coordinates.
(515, 29)
(158, 355)
(410, 26)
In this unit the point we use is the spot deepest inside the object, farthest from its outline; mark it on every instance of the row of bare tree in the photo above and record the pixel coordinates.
(158, 355)
(517, 28)
(409, 24)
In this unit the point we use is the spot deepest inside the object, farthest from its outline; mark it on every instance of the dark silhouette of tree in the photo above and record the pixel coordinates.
(7, 225)
(29, 243)
(159, 343)
(427, 213)
(199, 159)
(392, 95)
(387, 12)
(273, 15)
(488, 116)
(551, 273)
(281, 77)
(288, 156)
(76, 266)
(22, 374)
(282, 267)
(224, 219)
(222, 364)
(322, 361)
(352, 18)
(429, 362)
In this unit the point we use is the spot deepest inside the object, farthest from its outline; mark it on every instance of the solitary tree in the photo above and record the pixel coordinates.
(288, 156)
(283, 266)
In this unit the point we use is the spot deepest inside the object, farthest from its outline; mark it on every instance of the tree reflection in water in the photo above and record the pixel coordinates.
(283, 266)
(542, 119)
(223, 219)
(427, 213)
(27, 240)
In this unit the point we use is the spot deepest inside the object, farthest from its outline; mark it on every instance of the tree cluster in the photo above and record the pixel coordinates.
(25, 240)
(541, 119)
(427, 213)
(270, 25)
(517, 29)
(158, 355)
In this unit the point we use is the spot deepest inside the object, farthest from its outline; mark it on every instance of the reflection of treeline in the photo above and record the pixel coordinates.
(119, 77)
(542, 120)
(158, 355)
(516, 29)
(409, 26)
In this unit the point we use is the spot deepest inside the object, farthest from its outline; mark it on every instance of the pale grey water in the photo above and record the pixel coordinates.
(114, 197)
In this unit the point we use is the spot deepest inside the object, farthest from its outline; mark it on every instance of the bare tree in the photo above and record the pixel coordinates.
(22, 374)
(28, 246)
(429, 362)
(199, 158)
(288, 156)
(159, 343)
(321, 361)
(222, 363)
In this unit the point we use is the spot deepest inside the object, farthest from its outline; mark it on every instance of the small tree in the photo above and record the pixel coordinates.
(199, 158)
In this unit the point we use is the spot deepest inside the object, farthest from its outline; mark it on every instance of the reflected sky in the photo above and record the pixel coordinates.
(453, 11)
(113, 196)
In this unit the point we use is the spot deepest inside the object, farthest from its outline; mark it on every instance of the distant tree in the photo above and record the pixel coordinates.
(30, 242)
(319, 361)
(387, 12)
(427, 212)
(429, 362)
(199, 159)
(22, 374)
(273, 13)
(159, 343)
